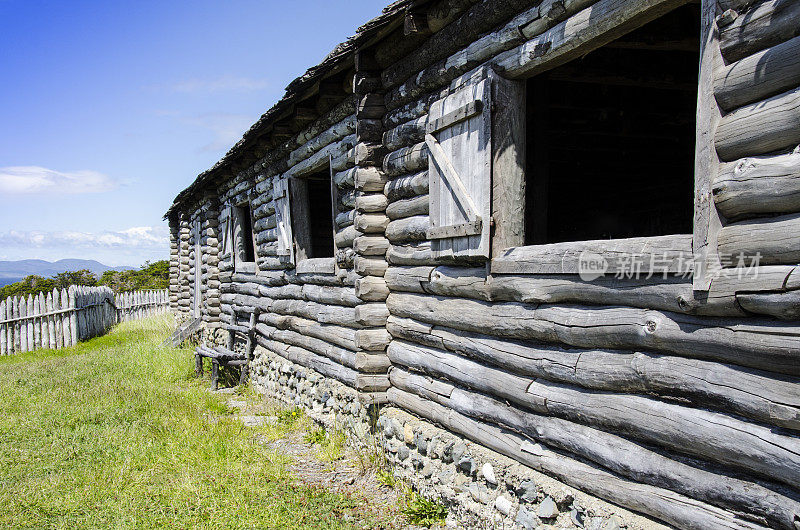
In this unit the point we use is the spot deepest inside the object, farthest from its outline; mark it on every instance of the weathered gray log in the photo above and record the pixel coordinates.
(370, 179)
(526, 24)
(348, 358)
(346, 178)
(346, 236)
(408, 229)
(372, 289)
(336, 132)
(338, 335)
(371, 223)
(774, 239)
(376, 339)
(268, 279)
(266, 209)
(344, 161)
(338, 280)
(371, 129)
(315, 266)
(347, 200)
(672, 293)
(413, 254)
(764, 25)
(408, 207)
(660, 503)
(373, 362)
(320, 159)
(671, 253)
(405, 134)
(345, 218)
(757, 186)
(408, 186)
(325, 366)
(785, 306)
(409, 111)
(758, 76)
(608, 450)
(370, 245)
(372, 314)
(478, 19)
(322, 313)
(368, 155)
(594, 26)
(754, 394)
(367, 266)
(765, 345)
(325, 294)
(761, 127)
(371, 202)
(406, 160)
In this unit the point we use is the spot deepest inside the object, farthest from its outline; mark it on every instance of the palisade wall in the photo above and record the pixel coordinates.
(59, 319)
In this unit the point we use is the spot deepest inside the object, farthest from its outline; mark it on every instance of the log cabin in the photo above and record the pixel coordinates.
(560, 230)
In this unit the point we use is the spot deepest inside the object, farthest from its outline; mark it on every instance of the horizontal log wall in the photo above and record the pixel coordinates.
(634, 381)
(673, 402)
(310, 312)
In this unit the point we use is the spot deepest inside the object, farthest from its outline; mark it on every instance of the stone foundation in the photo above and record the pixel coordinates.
(484, 489)
(325, 399)
(481, 488)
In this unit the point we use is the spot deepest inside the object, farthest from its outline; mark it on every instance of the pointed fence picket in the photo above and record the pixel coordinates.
(59, 319)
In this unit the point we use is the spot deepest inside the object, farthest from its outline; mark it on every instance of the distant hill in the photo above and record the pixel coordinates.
(14, 271)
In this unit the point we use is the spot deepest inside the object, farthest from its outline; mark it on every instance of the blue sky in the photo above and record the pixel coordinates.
(109, 109)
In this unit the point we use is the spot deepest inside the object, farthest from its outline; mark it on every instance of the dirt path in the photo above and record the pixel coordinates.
(349, 475)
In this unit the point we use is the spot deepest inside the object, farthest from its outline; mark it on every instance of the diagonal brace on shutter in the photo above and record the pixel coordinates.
(281, 198)
(474, 222)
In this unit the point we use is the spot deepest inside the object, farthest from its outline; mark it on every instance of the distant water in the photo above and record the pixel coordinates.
(6, 281)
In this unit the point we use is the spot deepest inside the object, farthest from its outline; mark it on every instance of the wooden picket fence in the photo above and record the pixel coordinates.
(63, 318)
(139, 304)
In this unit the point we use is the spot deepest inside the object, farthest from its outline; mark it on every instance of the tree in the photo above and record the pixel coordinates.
(81, 277)
(149, 276)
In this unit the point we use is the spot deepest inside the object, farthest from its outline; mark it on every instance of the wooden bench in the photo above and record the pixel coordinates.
(227, 356)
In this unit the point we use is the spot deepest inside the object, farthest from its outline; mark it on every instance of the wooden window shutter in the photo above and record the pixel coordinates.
(460, 168)
(334, 213)
(226, 231)
(283, 218)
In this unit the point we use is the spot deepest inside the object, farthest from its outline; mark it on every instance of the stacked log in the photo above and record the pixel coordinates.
(370, 220)
(184, 267)
(209, 246)
(174, 272)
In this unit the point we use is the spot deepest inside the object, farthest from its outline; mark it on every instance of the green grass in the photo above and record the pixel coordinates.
(331, 442)
(421, 511)
(117, 433)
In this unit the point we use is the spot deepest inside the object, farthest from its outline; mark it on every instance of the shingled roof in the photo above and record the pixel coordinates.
(297, 88)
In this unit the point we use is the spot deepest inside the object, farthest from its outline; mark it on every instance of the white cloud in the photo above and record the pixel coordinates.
(35, 179)
(136, 238)
(225, 83)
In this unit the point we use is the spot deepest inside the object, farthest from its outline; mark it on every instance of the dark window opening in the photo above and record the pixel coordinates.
(611, 137)
(313, 215)
(244, 234)
(320, 215)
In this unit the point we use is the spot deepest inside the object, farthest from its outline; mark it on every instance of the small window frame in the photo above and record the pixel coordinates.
(306, 262)
(510, 255)
(241, 263)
